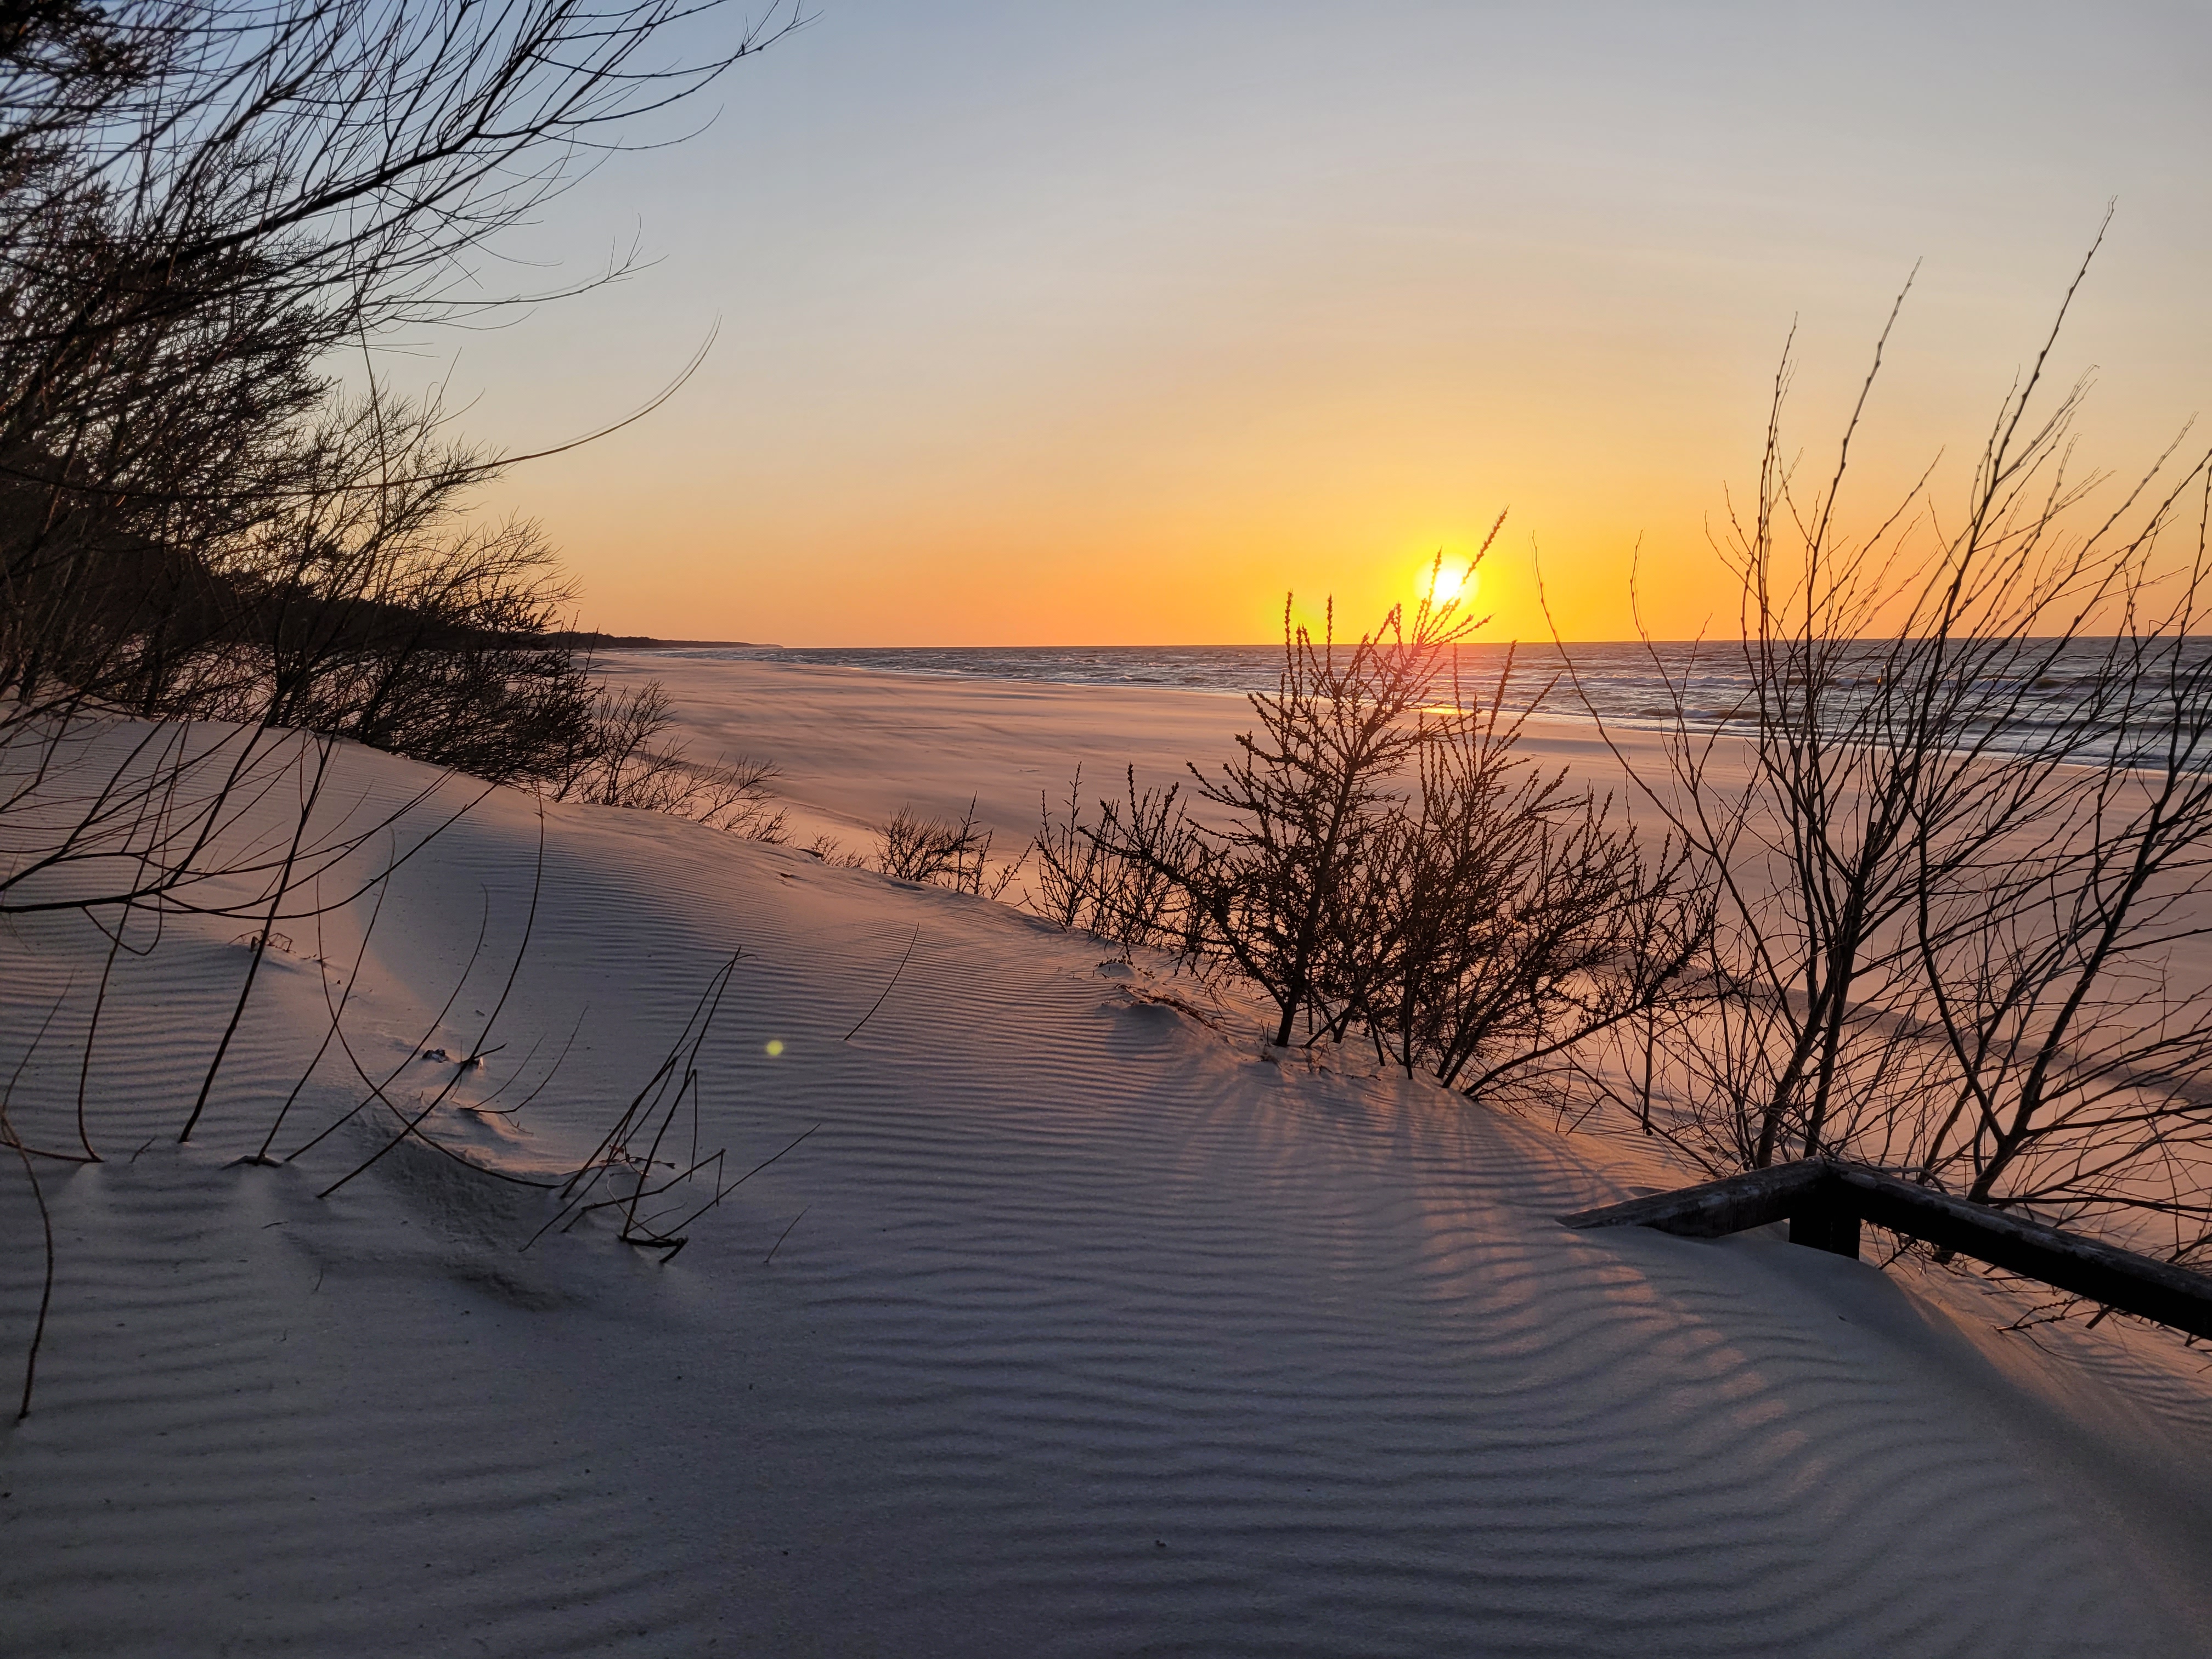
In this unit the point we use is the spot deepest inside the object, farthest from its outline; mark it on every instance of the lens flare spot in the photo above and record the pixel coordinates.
(774, 1046)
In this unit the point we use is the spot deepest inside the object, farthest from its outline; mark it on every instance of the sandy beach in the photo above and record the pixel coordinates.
(1090, 1328)
(852, 746)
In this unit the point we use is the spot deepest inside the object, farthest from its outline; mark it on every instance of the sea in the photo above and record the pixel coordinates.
(1635, 685)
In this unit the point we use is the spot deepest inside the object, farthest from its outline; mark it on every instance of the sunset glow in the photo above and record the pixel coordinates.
(1443, 583)
(1060, 325)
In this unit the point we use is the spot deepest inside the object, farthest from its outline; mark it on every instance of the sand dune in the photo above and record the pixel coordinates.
(1100, 1330)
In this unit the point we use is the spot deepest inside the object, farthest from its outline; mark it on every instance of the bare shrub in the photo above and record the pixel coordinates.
(621, 759)
(735, 797)
(1308, 802)
(832, 852)
(1113, 878)
(1070, 876)
(366, 605)
(943, 851)
(1512, 918)
(198, 205)
(1954, 847)
(1379, 857)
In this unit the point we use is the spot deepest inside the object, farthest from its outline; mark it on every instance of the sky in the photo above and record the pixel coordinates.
(1055, 324)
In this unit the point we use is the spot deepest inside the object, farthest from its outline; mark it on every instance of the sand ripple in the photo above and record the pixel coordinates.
(1101, 1335)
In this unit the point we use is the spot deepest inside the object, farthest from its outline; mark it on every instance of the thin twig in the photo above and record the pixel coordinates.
(878, 1002)
(780, 1236)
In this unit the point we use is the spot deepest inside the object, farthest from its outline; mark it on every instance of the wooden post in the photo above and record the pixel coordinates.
(1827, 1224)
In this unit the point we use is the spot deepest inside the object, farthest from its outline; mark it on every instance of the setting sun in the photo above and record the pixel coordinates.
(1440, 584)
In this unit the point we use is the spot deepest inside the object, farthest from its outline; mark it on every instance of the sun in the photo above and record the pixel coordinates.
(1441, 584)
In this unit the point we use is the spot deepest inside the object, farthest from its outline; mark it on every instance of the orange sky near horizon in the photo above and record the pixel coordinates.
(1041, 326)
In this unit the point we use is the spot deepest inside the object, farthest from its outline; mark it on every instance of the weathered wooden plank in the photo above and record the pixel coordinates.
(1825, 1201)
(1716, 1207)
(2104, 1273)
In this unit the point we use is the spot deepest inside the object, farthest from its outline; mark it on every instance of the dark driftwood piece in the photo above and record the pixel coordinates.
(1824, 1200)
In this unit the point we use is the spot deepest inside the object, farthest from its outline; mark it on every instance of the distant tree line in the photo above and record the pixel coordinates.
(203, 211)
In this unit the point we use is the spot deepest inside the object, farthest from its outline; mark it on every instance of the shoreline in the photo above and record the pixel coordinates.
(853, 745)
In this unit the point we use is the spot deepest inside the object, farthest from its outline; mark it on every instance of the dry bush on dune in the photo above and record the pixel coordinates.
(1379, 858)
(366, 605)
(1512, 918)
(943, 851)
(1954, 835)
(1087, 882)
(1307, 806)
(210, 565)
(622, 758)
(834, 853)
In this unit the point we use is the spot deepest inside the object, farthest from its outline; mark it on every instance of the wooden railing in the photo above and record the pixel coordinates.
(1825, 1199)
